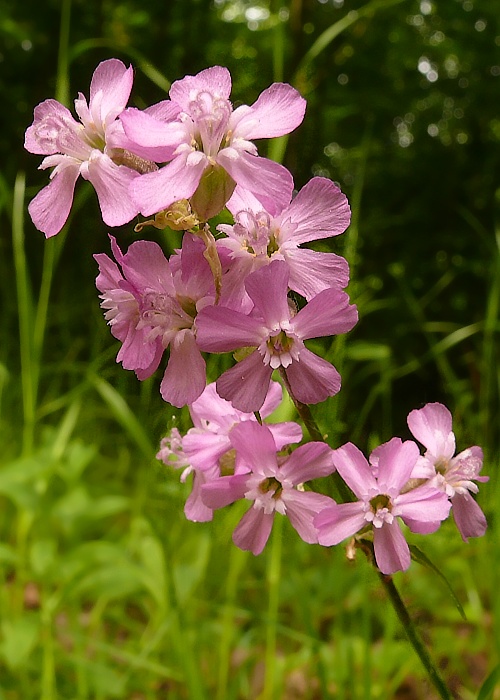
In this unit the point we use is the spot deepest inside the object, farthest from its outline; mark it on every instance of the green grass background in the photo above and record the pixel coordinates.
(107, 591)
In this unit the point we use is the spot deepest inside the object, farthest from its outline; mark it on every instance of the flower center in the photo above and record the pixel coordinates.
(379, 511)
(210, 115)
(280, 349)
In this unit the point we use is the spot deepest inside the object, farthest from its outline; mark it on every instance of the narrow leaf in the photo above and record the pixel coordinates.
(418, 556)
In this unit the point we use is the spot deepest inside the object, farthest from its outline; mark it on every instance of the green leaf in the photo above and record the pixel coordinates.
(489, 685)
(19, 638)
(42, 556)
(418, 556)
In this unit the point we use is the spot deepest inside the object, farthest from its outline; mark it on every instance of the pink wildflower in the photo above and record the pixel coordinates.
(278, 337)
(381, 500)
(319, 211)
(271, 484)
(211, 144)
(74, 149)
(432, 426)
(206, 450)
(151, 306)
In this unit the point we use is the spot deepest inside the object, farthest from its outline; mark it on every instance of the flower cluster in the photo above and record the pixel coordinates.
(255, 291)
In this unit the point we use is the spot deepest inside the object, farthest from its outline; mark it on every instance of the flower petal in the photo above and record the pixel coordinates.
(396, 460)
(469, 518)
(319, 210)
(185, 376)
(277, 111)
(215, 80)
(328, 313)
(311, 272)
(391, 549)
(310, 461)
(338, 521)
(301, 509)
(50, 208)
(112, 184)
(255, 446)
(177, 180)
(221, 492)
(219, 329)
(253, 530)
(312, 378)
(432, 426)
(246, 384)
(270, 182)
(355, 470)
(268, 289)
(109, 90)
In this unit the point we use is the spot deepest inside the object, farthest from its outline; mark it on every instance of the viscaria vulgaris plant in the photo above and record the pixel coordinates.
(254, 290)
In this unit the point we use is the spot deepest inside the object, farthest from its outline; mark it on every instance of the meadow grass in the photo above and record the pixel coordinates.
(107, 590)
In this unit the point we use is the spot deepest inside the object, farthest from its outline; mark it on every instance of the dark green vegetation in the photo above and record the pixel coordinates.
(107, 592)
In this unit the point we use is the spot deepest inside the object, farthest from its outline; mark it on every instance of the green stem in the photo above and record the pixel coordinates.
(273, 583)
(304, 412)
(413, 636)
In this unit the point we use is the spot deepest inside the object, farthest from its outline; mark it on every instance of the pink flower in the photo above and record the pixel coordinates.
(151, 305)
(206, 450)
(212, 144)
(319, 211)
(278, 336)
(74, 149)
(431, 425)
(271, 484)
(381, 500)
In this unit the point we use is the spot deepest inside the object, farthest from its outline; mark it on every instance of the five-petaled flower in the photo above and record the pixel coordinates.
(455, 475)
(211, 148)
(84, 148)
(278, 335)
(381, 500)
(270, 483)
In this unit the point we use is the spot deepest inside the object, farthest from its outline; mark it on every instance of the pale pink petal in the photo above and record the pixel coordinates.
(50, 208)
(391, 549)
(194, 509)
(469, 518)
(246, 384)
(221, 492)
(137, 353)
(52, 121)
(255, 446)
(396, 460)
(328, 313)
(301, 509)
(221, 330)
(215, 81)
(270, 182)
(310, 461)
(319, 210)
(431, 425)
(268, 288)
(112, 184)
(177, 180)
(469, 463)
(253, 530)
(185, 376)
(312, 378)
(424, 504)
(243, 200)
(146, 129)
(109, 276)
(311, 272)
(143, 373)
(338, 521)
(278, 110)
(146, 267)
(355, 470)
(203, 450)
(273, 399)
(284, 434)
(422, 528)
(109, 90)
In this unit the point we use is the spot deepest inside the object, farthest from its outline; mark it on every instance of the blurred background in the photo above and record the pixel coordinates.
(107, 591)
